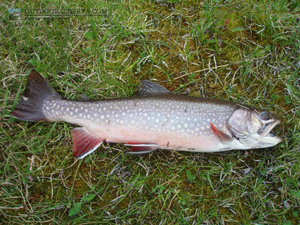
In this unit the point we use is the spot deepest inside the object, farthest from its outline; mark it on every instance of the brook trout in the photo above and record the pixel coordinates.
(155, 119)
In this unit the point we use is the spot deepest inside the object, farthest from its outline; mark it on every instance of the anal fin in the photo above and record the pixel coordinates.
(221, 135)
(84, 142)
(141, 148)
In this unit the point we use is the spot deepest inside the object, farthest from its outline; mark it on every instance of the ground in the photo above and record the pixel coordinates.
(242, 51)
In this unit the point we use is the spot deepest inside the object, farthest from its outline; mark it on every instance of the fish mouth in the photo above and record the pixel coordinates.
(265, 132)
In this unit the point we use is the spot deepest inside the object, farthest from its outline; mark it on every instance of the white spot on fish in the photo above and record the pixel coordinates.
(102, 117)
(68, 109)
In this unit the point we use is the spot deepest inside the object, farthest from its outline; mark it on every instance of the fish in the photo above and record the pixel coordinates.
(153, 119)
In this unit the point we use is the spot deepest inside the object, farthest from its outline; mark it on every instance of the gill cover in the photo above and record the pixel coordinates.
(252, 127)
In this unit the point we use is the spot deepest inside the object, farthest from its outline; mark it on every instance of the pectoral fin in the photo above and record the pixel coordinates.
(221, 135)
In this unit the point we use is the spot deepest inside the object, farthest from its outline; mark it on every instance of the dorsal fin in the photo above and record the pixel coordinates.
(150, 88)
(83, 97)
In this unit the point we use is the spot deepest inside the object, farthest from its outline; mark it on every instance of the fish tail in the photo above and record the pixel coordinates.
(30, 108)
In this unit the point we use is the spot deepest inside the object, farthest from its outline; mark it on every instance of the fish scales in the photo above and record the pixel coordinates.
(168, 113)
(154, 119)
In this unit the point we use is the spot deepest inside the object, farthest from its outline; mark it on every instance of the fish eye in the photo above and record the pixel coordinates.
(265, 116)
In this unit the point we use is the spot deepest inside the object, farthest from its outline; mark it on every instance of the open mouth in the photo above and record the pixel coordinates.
(267, 128)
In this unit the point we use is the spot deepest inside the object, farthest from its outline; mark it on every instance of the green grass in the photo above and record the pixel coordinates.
(243, 51)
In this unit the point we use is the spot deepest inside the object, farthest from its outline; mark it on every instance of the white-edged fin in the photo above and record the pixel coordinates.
(136, 152)
(142, 145)
(84, 142)
(89, 152)
(224, 138)
(140, 148)
(150, 88)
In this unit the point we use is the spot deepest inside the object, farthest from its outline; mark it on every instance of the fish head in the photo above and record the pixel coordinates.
(252, 127)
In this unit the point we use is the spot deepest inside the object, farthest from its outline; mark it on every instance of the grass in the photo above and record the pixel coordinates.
(243, 51)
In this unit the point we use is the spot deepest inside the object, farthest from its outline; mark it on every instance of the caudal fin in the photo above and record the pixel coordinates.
(30, 108)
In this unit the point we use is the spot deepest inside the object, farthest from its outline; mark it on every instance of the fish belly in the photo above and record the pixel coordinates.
(164, 140)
